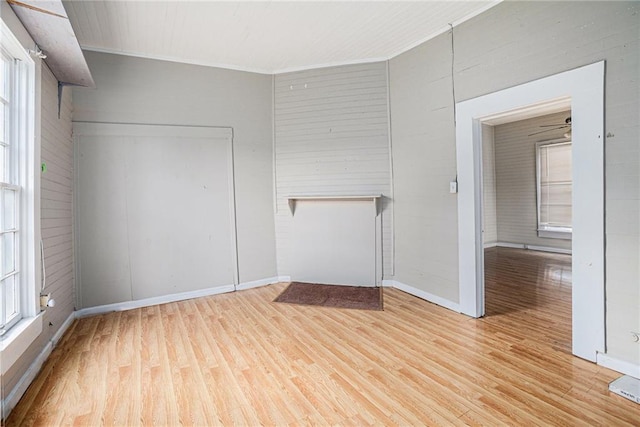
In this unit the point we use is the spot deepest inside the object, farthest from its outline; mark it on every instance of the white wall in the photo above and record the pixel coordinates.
(331, 130)
(424, 162)
(143, 91)
(155, 213)
(510, 44)
(515, 180)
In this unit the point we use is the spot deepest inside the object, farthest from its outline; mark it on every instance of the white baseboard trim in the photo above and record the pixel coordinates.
(618, 365)
(20, 388)
(146, 302)
(422, 294)
(548, 249)
(262, 282)
(55, 339)
(510, 245)
(490, 245)
(532, 247)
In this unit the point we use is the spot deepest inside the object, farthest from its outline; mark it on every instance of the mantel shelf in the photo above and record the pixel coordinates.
(359, 197)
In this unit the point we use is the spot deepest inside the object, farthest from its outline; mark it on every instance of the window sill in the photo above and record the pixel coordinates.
(558, 233)
(18, 339)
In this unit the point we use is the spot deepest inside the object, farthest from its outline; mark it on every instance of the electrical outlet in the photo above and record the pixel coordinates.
(46, 301)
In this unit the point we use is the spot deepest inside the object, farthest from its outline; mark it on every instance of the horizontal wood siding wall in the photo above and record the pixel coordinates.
(490, 225)
(515, 166)
(331, 138)
(57, 196)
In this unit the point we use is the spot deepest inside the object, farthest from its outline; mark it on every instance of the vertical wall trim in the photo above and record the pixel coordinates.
(453, 75)
(273, 147)
(76, 264)
(392, 248)
(126, 226)
(234, 215)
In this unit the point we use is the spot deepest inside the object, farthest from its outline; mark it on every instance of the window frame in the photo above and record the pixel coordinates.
(26, 147)
(547, 231)
(12, 184)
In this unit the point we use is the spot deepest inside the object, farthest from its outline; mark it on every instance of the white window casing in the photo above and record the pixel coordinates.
(20, 220)
(554, 189)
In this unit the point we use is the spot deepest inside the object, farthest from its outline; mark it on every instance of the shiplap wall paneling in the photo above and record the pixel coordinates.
(56, 205)
(155, 211)
(515, 174)
(490, 224)
(331, 133)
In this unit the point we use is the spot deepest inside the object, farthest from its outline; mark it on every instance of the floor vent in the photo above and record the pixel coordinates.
(628, 387)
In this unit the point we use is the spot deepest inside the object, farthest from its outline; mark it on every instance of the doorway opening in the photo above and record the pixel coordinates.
(582, 91)
(526, 227)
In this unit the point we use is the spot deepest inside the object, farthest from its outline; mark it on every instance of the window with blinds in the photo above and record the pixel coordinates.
(554, 182)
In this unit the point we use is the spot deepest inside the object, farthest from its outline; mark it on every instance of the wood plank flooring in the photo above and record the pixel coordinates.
(240, 359)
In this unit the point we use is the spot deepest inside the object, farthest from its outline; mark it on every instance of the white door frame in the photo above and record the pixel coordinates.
(583, 88)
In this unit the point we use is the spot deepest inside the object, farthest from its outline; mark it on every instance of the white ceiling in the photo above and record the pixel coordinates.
(264, 36)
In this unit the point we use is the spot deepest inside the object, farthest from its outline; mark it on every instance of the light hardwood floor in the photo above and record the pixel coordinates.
(240, 359)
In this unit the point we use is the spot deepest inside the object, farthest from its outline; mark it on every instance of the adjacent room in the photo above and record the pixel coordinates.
(527, 222)
(321, 213)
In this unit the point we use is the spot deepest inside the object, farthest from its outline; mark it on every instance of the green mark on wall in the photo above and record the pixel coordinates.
(43, 167)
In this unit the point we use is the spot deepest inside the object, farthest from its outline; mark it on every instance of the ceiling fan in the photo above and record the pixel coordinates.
(557, 126)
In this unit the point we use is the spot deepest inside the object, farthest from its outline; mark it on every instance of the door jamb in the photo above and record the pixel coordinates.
(584, 87)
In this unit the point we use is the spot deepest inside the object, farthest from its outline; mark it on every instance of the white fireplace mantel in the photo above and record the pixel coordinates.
(372, 197)
(336, 239)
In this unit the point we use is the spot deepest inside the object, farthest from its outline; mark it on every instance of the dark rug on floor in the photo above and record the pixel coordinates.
(360, 297)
